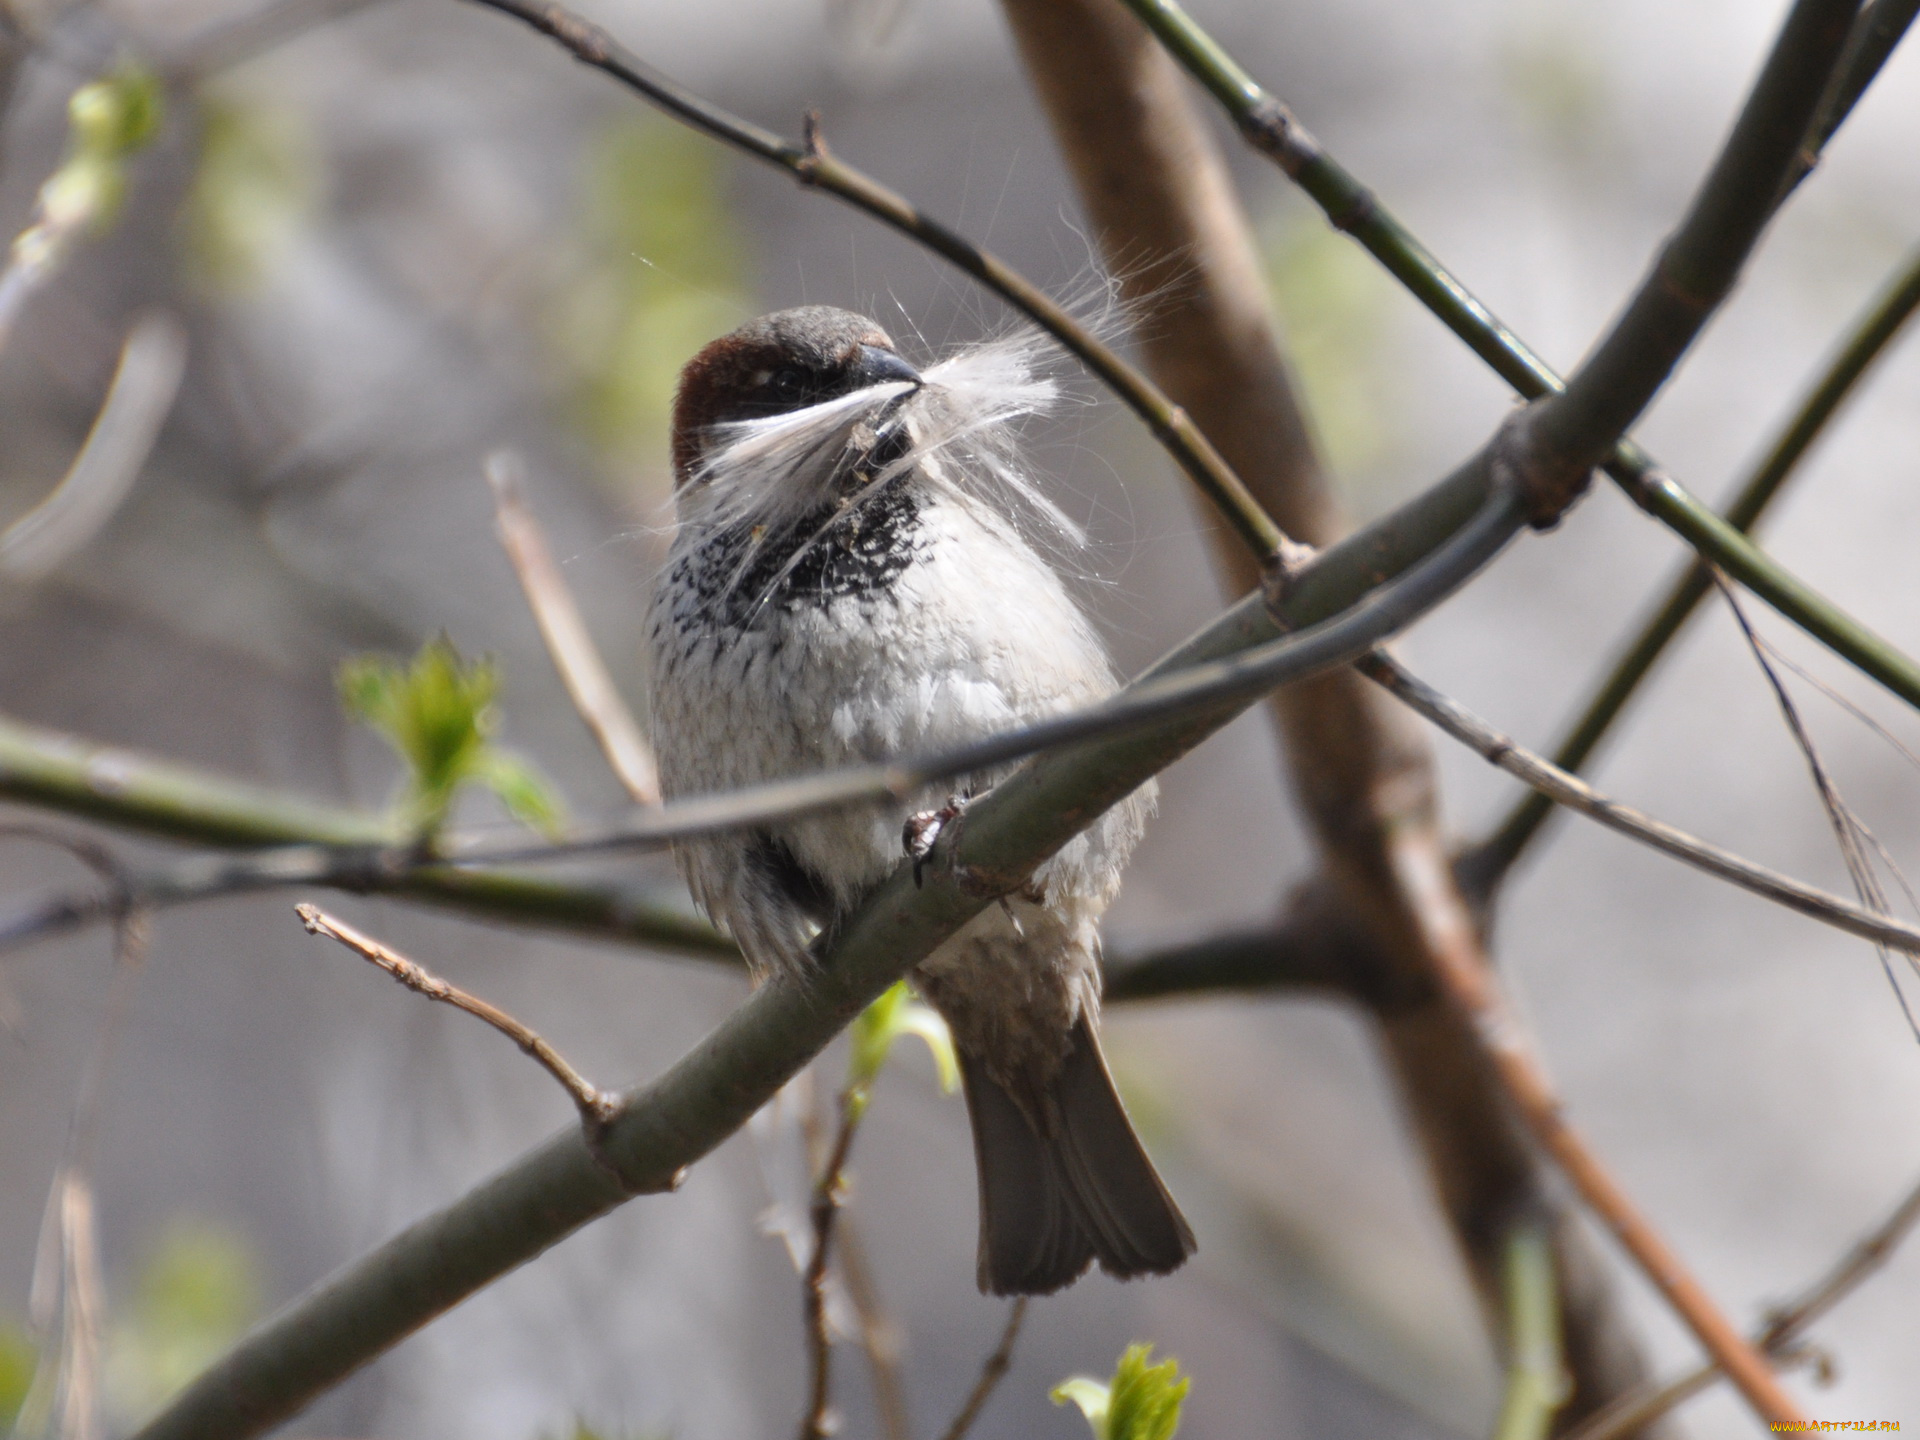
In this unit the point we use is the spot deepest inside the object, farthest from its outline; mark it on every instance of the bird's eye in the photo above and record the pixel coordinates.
(787, 383)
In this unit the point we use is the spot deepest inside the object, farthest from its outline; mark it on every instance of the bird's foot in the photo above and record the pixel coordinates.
(922, 832)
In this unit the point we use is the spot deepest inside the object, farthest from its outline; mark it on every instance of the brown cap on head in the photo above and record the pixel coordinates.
(780, 362)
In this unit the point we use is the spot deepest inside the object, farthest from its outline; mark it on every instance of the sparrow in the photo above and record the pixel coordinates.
(849, 580)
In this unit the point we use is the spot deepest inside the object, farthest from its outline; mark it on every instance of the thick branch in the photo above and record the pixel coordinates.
(1697, 268)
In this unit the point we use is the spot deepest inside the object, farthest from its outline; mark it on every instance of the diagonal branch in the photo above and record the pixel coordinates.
(1462, 972)
(1776, 1336)
(814, 166)
(1569, 790)
(1697, 268)
(594, 1105)
(1350, 206)
(1487, 864)
(569, 644)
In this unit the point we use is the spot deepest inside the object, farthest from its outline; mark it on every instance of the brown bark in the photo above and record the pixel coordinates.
(1165, 216)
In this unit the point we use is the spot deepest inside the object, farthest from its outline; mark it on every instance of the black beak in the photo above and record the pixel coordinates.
(877, 365)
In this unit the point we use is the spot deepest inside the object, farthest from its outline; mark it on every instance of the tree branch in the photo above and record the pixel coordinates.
(1486, 864)
(357, 850)
(991, 1373)
(814, 166)
(819, 1422)
(1353, 208)
(569, 643)
(1697, 268)
(595, 1106)
(1576, 794)
(1462, 971)
(1776, 1336)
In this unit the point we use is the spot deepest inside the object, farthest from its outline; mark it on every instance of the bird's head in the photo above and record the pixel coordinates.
(777, 364)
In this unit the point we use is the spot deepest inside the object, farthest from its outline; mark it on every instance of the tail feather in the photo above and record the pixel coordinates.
(1064, 1181)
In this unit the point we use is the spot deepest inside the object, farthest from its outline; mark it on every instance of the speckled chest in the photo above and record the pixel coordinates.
(719, 588)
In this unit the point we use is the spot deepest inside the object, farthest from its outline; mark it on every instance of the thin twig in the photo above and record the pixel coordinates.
(1354, 209)
(596, 1106)
(991, 1373)
(59, 771)
(139, 397)
(1574, 793)
(1870, 337)
(66, 1303)
(879, 1332)
(829, 1191)
(1461, 970)
(569, 644)
(1849, 830)
(1537, 1384)
(1783, 1327)
(810, 161)
(621, 910)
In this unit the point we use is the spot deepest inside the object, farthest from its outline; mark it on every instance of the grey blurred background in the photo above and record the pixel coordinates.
(416, 233)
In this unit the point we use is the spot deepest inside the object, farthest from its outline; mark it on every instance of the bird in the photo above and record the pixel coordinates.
(856, 573)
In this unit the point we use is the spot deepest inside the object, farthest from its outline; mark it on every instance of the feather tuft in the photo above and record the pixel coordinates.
(958, 431)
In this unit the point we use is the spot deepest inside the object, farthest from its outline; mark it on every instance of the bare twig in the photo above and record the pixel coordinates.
(991, 1373)
(1462, 971)
(138, 400)
(596, 1106)
(622, 910)
(811, 162)
(1573, 792)
(879, 1332)
(1869, 338)
(569, 644)
(829, 1191)
(1783, 1327)
(66, 1304)
(1537, 1383)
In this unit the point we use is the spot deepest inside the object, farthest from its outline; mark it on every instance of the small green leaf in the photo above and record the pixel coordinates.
(894, 1014)
(1142, 1402)
(439, 714)
(523, 790)
(107, 120)
(1090, 1395)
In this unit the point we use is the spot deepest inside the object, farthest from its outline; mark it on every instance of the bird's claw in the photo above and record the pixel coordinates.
(922, 832)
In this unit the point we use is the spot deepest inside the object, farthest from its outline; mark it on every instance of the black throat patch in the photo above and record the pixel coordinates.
(838, 550)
